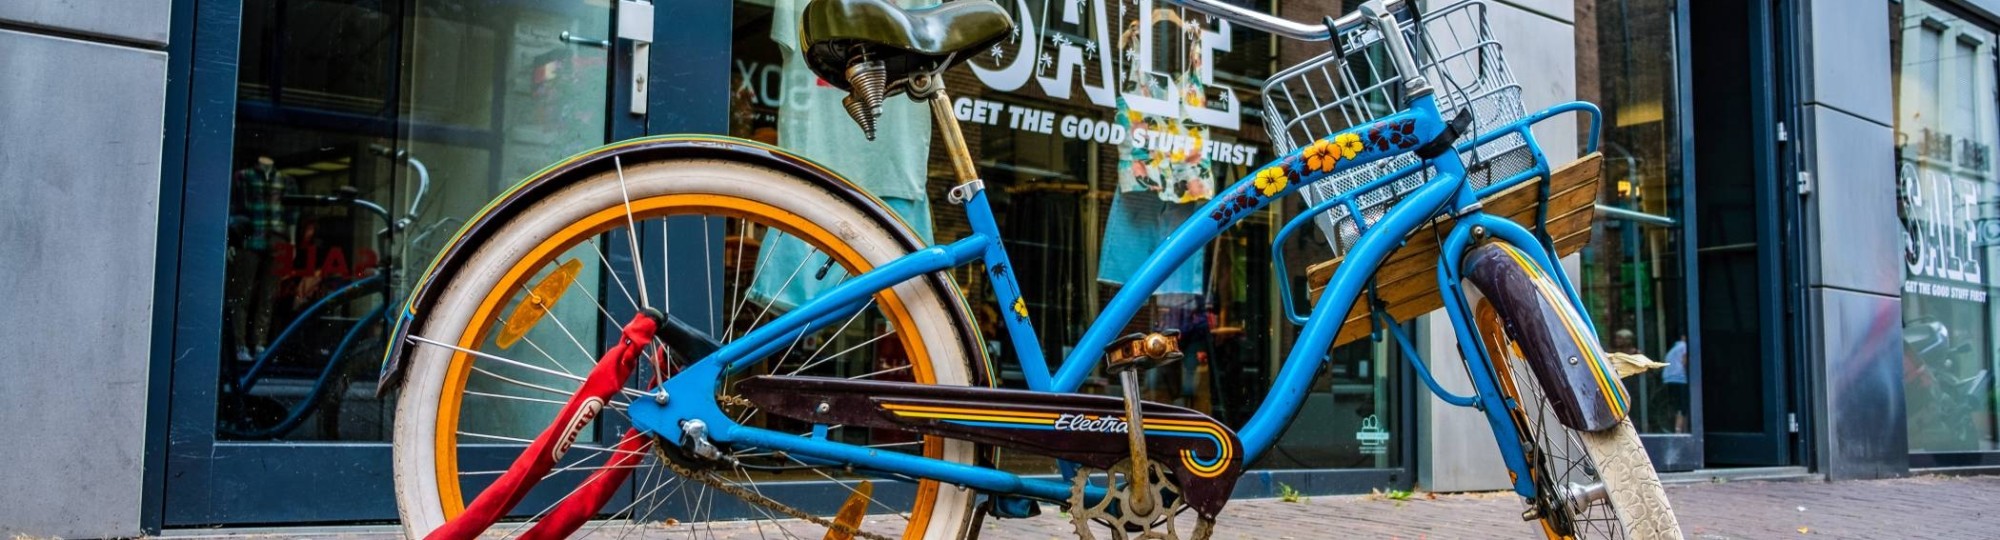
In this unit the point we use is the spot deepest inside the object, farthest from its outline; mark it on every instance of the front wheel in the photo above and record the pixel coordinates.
(1591, 484)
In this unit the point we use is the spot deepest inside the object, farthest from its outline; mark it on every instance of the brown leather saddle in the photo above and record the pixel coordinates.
(875, 49)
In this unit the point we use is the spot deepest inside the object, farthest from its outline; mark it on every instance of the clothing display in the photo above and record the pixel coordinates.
(258, 217)
(1137, 224)
(813, 123)
(260, 207)
(1164, 155)
(1162, 168)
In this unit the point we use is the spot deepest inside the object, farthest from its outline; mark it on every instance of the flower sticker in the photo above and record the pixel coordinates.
(1348, 144)
(1320, 156)
(1021, 308)
(1271, 180)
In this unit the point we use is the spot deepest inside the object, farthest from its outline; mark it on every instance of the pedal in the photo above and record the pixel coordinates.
(1142, 351)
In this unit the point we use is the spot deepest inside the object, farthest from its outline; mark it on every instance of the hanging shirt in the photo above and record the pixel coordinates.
(260, 201)
(1170, 159)
(813, 123)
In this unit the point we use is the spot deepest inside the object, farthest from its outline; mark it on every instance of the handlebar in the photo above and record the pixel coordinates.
(1259, 21)
(1281, 26)
(1380, 13)
(423, 181)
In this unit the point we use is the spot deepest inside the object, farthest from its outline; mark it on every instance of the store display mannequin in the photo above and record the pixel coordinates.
(813, 123)
(258, 224)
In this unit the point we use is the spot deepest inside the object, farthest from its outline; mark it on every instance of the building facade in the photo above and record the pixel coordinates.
(280, 171)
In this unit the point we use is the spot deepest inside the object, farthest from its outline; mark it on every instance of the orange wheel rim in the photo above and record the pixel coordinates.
(450, 492)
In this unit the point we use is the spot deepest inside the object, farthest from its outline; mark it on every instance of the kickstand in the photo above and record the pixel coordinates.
(979, 512)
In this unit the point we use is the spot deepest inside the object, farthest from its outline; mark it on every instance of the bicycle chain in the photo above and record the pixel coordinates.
(711, 480)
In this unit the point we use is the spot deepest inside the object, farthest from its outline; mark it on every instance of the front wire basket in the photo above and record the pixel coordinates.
(1357, 83)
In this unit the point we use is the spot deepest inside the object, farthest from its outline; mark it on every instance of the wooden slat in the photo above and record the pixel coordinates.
(1407, 280)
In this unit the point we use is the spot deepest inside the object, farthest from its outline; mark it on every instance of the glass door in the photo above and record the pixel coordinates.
(1635, 274)
(364, 134)
(1742, 345)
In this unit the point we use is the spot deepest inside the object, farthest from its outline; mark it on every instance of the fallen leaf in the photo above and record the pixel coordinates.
(1802, 530)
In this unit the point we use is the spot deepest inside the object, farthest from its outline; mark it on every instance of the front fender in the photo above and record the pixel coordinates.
(599, 160)
(1561, 350)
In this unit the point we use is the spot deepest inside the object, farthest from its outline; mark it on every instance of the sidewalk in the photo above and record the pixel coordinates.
(1925, 507)
(1929, 507)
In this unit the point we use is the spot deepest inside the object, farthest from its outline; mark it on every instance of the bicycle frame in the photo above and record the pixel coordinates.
(1446, 191)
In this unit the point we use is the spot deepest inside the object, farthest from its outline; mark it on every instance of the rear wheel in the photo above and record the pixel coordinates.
(507, 341)
(1592, 484)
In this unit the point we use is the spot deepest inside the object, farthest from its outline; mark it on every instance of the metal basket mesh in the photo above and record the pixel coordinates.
(1358, 83)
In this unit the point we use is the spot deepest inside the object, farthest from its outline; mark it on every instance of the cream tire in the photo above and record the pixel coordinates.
(417, 422)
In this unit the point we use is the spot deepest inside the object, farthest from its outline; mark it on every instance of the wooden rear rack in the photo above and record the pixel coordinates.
(1407, 280)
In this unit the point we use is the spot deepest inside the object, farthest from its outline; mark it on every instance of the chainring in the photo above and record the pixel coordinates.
(1115, 513)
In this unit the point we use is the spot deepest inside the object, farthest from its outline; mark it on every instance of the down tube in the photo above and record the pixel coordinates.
(1288, 391)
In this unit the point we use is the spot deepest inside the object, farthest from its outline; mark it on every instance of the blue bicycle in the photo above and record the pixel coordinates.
(835, 347)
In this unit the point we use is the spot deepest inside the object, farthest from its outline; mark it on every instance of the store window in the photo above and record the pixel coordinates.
(366, 133)
(1943, 65)
(1048, 114)
(1633, 279)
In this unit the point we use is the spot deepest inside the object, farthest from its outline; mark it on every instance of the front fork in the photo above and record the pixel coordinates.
(1497, 406)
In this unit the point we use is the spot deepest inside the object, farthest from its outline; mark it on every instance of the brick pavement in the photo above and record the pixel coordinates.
(1923, 507)
(1917, 508)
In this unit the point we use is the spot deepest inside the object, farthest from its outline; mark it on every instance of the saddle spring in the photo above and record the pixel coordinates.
(869, 80)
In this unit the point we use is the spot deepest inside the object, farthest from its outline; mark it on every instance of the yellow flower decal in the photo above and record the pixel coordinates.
(1021, 307)
(1320, 156)
(1271, 180)
(1348, 144)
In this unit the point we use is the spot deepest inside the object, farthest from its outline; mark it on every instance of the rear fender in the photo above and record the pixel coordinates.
(1561, 349)
(602, 159)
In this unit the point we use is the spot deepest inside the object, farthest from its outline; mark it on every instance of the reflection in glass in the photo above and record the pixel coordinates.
(366, 133)
(1632, 280)
(1944, 81)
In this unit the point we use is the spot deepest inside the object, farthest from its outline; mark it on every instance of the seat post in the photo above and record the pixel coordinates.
(954, 140)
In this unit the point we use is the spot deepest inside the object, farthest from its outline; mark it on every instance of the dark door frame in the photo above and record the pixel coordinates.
(1771, 445)
(190, 477)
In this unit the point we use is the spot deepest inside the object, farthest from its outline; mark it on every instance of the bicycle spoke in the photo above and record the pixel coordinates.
(780, 290)
(904, 367)
(736, 281)
(841, 353)
(850, 489)
(599, 251)
(760, 509)
(553, 504)
(613, 404)
(545, 353)
(497, 358)
(822, 346)
(632, 233)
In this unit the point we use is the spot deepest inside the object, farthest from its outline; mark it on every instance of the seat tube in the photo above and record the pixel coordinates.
(971, 192)
(954, 139)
